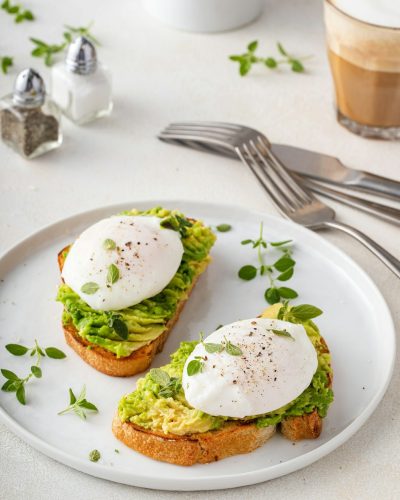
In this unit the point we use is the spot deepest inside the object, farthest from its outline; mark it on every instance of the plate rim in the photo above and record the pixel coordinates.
(206, 482)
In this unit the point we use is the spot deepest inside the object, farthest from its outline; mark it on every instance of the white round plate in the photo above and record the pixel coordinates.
(356, 325)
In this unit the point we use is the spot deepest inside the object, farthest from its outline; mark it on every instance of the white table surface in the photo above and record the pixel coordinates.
(162, 75)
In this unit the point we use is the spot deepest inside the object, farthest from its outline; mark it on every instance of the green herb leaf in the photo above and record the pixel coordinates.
(21, 394)
(109, 244)
(211, 348)
(72, 398)
(94, 456)
(247, 272)
(112, 274)
(159, 376)
(272, 295)
(280, 243)
(286, 275)
(6, 63)
(252, 46)
(195, 366)
(121, 328)
(287, 293)
(297, 66)
(232, 349)
(10, 386)
(281, 50)
(270, 62)
(224, 228)
(54, 353)
(87, 405)
(16, 349)
(305, 312)
(246, 242)
(284, 263)
(90, 288)
(37, 372)
(9, 374)
(283, 333)
(245, 66)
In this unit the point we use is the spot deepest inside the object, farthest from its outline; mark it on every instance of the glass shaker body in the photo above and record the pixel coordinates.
(82, 98)
(30, 131)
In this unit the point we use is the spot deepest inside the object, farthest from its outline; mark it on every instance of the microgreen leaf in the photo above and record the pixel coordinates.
(16, 349)
(247, 272)
(37, 372)
(112, 274)
(305, 312)
(284, 263)
(232, 349)
(10, 386)
(281, 50)
(159, 376)
(287, 293)
(6, 63)
(78, 404)
(224, 228)
(280, 243)
(9, 374)
(286, 275)
(109, 244)
(252, 46)
(121, 328)
(54, 353)
(21, 394)
(283, 333)
(211, 348)
(195, 366)
(90, 288)
(246, 242)
(297, 66)
(270, 62)
(272, 295)
(20, 14)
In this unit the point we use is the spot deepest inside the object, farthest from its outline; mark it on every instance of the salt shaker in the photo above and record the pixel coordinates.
(81, 86)
(29, 119)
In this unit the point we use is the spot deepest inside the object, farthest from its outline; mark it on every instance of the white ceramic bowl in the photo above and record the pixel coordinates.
(205, 15)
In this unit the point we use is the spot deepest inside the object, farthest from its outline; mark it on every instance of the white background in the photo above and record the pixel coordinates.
(162, 75)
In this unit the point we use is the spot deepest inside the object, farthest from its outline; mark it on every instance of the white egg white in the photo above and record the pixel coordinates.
(147, 257)
(270, 373)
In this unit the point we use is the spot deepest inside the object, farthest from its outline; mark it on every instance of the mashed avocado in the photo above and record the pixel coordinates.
(123, 332)
(159, 404)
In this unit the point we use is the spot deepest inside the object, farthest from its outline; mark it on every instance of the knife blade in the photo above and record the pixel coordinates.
(331, 170)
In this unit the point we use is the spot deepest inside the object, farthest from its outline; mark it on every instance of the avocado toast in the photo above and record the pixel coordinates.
(124, 342)
(157, 420)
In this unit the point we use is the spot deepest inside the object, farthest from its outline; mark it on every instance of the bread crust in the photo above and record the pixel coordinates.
(105, 361)
(232, 439)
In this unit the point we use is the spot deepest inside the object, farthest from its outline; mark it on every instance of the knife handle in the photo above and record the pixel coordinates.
(376, 184)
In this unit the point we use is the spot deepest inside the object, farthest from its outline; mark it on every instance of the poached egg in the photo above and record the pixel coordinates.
(122, 260)
(271, 371)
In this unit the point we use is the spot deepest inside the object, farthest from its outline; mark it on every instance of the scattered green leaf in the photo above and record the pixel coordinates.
(109, 244)
(112, 274)
(17, 349)
(283, 333)
(224, 228)
(6, 63)
(17, 11)
(247, 272)
(90, 288)
(195, 366)
(78, 404)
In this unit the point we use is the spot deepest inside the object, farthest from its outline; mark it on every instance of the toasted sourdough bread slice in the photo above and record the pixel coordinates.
(233, 438)
(105, 361)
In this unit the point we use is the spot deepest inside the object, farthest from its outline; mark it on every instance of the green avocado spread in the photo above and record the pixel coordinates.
(123, 332)
(159, 403)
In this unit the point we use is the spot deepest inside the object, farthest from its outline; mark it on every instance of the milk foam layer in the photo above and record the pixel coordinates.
(370, 47)
(381, 12)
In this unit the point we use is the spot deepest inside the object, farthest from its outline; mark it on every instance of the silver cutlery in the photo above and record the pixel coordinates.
(385, 212)
(294, 201)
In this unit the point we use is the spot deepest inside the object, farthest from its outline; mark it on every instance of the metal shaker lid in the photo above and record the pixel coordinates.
(29, 89)
(81, 56)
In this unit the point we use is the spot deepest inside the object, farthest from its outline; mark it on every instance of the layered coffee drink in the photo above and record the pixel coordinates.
(364, 54)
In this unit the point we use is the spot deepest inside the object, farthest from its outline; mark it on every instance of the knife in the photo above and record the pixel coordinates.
(331, 170)
(385, 212)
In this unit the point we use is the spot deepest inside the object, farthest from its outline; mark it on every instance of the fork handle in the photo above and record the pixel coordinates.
(387, 258)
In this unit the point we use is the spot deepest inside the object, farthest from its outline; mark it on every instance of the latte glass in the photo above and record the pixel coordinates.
(365, 64)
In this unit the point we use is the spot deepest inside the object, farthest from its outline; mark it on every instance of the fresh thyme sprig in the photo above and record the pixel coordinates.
(78, 404)
(169, 386)
(284, 265)
(247, 59)
(20, 14)
(6, 62)
(47, 51)
(17, 384)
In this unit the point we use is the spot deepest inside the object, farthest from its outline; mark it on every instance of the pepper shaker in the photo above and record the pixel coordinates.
(81, 86)
(29, 119)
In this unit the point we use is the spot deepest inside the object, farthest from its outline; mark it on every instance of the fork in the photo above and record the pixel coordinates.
(292, 199)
